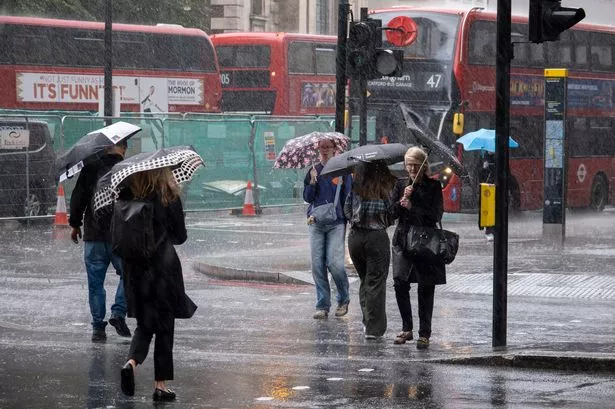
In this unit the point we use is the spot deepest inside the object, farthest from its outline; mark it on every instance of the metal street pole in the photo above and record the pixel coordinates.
(502, 132)
(108, 56)
(340, 66)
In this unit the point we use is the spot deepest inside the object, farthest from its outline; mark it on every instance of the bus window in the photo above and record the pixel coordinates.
(577, 136)
(88, 47)
(32, 45)
(581, 60)
(244, 56)
(601, 138)
(601, 51)
(482, 44)
(325, 59)
(559, 53)
(198, 55)
(520, 48)
(301, 58)
(536, 55)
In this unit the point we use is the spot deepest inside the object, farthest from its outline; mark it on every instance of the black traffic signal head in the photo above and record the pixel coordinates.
(366, 56)
(548, 19)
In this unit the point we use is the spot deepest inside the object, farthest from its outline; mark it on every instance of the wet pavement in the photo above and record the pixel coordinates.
(253, 343)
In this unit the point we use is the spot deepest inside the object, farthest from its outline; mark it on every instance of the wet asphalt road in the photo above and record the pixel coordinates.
(254, 345)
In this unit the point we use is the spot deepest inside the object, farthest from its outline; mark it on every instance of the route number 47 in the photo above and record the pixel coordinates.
(434, 80)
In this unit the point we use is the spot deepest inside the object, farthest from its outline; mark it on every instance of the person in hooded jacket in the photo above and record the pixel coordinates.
(97, 245)
(418, 204)
(155, 290)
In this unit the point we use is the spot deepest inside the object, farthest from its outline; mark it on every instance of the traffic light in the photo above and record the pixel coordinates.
(548, 19)
(367, 57)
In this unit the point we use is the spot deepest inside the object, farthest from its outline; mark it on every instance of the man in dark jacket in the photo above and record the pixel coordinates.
(97, 247)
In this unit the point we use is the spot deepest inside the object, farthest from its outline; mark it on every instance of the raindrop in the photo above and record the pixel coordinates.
(200, 240)
(265, 299)
(264, 398)
(366, 369)
(300, 388)
(334, 379)
(269, 244)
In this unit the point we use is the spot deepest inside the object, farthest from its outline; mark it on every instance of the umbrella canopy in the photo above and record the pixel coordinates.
(302, 151)
(342, 164)
(483, 139)
(90, 145)
(431, 144)
(183, 160)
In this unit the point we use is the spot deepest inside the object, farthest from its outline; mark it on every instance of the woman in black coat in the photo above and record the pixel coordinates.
(154, 287)
(420, 204)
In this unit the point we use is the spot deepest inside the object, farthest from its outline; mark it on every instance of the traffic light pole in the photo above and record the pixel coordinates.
(108, 68)
(340, 66)
(502, 132)
(363, 110)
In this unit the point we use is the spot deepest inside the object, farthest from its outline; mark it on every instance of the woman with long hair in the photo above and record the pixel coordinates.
(367, 209)
(417, 201)
(155, 286)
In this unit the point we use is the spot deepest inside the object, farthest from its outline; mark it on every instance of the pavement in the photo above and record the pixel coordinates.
(557, 349)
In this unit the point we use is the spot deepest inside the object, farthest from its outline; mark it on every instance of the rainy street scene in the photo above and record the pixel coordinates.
(307, 204)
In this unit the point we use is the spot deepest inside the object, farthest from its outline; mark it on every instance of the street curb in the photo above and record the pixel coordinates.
(230, 273)
(537, 361)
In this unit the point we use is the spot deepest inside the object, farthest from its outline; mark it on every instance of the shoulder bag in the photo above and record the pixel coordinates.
(327, 213)
(432, 245)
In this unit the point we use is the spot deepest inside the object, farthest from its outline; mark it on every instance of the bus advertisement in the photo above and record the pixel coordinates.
(277, 73)
(50, 64)
(450, 69)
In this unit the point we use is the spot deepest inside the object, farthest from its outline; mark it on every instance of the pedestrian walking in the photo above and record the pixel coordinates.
(327, 235)
(416, 201)
(154, 281)
(368, 210)
(96, 244)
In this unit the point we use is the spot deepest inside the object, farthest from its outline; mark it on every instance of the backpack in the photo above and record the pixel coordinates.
(132, 229)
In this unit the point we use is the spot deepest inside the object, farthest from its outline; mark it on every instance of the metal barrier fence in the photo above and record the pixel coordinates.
(236, 148)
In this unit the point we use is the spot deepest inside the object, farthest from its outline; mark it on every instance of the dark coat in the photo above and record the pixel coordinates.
(155, 288)
(94, 229)
(427, 209)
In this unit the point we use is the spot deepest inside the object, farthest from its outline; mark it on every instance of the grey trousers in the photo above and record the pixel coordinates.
(370, 252)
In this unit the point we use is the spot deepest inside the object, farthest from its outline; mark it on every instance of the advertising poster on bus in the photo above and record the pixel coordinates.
(318, 95)
(149, 99)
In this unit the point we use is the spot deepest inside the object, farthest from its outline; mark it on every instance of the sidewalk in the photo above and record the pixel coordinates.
(553, 349)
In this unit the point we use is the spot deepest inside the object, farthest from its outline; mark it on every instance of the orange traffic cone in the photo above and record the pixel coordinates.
(61, 215)
(248, 203)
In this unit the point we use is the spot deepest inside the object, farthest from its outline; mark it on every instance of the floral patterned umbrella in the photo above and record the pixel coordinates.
(302, 151)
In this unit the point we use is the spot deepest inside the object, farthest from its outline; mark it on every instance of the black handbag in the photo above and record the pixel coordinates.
(432, 245)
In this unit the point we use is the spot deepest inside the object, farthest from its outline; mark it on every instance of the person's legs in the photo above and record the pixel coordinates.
(118, 309)
(425, 301)
(96, 264)
(139, 346)
(319, 271)
(357, 255)
(402, 295)
(377, 247)
(163, 350)
(335, 261)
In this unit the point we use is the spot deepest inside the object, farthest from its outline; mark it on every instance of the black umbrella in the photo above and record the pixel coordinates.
(183, 160)
(343, 163)
(89, 146)
(423, 136)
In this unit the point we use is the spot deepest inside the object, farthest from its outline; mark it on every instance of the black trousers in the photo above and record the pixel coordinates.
(425, 301)
(370, 252)
(163, 346)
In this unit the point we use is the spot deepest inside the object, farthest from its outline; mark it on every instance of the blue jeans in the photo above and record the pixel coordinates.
(327, 247)
(98, 256)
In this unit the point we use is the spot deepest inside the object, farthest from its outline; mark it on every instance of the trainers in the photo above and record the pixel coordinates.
(402, 337)
(341, 310)
(120, 326)
(422, 343)
(320, 314)
(99, 335)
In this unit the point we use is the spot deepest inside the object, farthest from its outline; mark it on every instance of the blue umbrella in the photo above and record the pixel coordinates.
(483, 139)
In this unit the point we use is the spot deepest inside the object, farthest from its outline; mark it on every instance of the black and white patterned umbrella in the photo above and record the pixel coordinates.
(183, 160)
(302, 151)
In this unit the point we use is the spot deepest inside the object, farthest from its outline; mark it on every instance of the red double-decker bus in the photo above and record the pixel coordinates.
(50, 64)
(277, 73)
(450, 68)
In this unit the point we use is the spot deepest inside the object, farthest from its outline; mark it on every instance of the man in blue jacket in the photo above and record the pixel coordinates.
(97, 245)
(327, 240)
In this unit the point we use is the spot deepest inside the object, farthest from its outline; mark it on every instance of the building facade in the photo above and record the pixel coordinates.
(294, 16)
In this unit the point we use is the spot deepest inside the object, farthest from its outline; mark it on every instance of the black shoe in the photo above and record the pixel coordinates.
(163, 396)
(99, 335)
(128, 379)
(120, 326)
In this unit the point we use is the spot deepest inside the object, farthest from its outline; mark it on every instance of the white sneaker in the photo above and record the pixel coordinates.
(489, 237)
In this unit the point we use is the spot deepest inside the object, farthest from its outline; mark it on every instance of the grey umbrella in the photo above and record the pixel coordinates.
(343, 163)
(424, 137)
(89, 146)
(183, 160)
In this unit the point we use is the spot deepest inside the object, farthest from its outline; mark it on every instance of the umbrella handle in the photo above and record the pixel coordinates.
(68, 177)
(420, 169)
